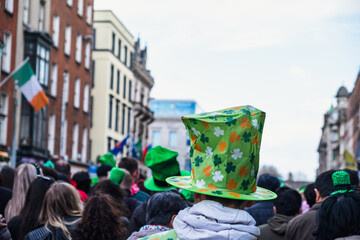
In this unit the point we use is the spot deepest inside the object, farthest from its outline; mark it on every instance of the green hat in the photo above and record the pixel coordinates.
(341, 181)
(108, 158)
(163, 164)
(49, 164)
(224, 154)
(94, 181)
(116, 175)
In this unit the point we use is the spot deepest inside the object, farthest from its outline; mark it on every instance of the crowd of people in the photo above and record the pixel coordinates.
(221, 198)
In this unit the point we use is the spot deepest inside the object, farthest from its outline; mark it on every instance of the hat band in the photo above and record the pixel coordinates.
(162, 183)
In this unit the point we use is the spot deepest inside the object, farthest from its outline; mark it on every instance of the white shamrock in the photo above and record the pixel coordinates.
(200, 183)
(209, 152)
(253, 171)
(255, 123)
(236, 154)
(196, 132)
(251, 108)
(214, 114)
(217, 176)
(218, 131)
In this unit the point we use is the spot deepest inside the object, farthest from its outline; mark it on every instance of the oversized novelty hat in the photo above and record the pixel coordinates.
(224, 154)
(107, 158)
(163, 164)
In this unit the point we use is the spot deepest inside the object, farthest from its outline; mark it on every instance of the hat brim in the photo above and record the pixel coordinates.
(184, 182)
(149, 183)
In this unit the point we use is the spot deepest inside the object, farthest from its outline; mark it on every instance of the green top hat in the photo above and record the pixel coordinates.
(341, 181)
(163, 164)
(116, 175)
(108, 158)
(224, 154)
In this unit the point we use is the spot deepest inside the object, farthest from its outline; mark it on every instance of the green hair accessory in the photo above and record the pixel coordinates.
(340, 178)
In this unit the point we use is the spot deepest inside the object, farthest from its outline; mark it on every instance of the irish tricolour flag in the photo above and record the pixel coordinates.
(30, 87)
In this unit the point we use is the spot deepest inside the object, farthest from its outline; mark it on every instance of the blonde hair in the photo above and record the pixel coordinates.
(127, 181)
(61, 200)
(24, 175)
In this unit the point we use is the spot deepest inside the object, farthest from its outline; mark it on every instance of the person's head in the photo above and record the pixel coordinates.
(288, 202)
(101, 219)
(354, 177)
(103, 171)
(82, 180)
(310, 195)
(226, 202)
(269, 182)
(127, 181)
(7, 177)
(24, 175)
(50, 172)
(64, 167)
(33, 204)
(162, 207)
(61, 200)
(130, 164)
(324, 185)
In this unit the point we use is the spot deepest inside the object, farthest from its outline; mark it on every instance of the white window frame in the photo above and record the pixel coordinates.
(75, 142)
(56, 30)
(67, 48)
(69, 3)
(66, 87)
(89, 14)
(64, 142)
(78, 48)
(87, 55)
(26, 11)
(54, 77)
(80, 9)
(6, 54)
(4, 102)
(86, 98)
(51, 135)
(9, 6)
(41, 23)
(84, 145)
(77, 93)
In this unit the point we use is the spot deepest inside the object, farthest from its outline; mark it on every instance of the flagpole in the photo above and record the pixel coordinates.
(10, 75)
(13, 145)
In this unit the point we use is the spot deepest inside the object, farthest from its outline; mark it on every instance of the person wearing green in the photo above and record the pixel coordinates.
(224, 155)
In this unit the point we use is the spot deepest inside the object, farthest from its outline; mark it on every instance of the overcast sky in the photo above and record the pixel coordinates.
(287, 58)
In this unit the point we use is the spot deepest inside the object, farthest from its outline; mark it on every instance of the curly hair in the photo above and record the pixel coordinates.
(101, 219)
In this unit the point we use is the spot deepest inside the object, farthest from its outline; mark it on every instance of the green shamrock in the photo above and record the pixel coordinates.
(245, 184)
(230, 167)
(252, 157)
(191, 152)
(228, 111)
(198, 160)
(246, 137)
(261, 127)
(230, 121)
(204, 139)
(194, 121)
(217, 160)
(245, 111)
(217, 192)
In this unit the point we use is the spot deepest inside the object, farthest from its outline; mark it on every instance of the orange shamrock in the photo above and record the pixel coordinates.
(237, 195)
(234, 137)
(197, 148)
(206, 170)
(242, 171)
(180, 184)
(253, 114)
(231, 184)
(205, 124)
(253, 188)
(244, 123)
(222, 146)
(262, 115)
(237, 108)
(256, 140)
(203, 190)
(193, 139)
(212, 187)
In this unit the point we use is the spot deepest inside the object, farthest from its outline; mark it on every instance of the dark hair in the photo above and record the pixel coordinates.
(33, 204)
(269, 182)
(7, 177)
(49, 172)
(162, 206)
(338, 216)
(354, 177)
(288, 201)
(82, 180)
(128, 163)
(324, 183)
(225, 201)
(62, 166)
(101, 219)
(103, 170)
(310, 195)
(108, 187)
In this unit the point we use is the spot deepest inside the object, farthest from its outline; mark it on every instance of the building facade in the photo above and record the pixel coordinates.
(112, 83)
(168, 131)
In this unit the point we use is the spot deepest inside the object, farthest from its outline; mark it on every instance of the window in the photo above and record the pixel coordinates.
(42, 65)
(91, 110)
(67, 48)
(117, 115)
(89, 14)
(119, 49)
(335, 153)
(64, 137)
(75, 142)
(123, 119)
(173, 138)
(54, 73)
(113, 43)
(3, 118)
(118, 82)
(39, 128)
(155, 138)
(111, 76)
(9, 6)
(77, 93)
(130, 91)
(80, 9)
(66, 87)
(125, 52)
(87, 55)
(92, 74)
(26, 11)
(110, 111)
(6, 59)
(41, 17)
(84, 145)
(124, 90)
(335, 136)
(51, 136)
(78, 48)
(69, 3)
(56, 26)
(128, 120)
(109, 140)
(86, 98)
(94, 39)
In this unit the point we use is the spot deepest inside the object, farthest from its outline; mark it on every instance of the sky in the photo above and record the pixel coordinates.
(287, 58)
